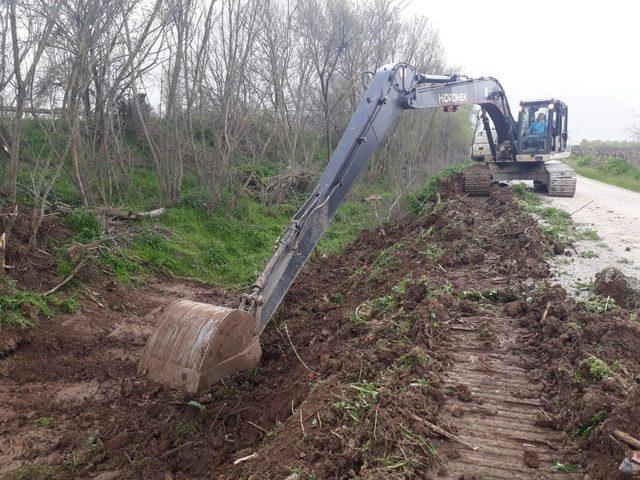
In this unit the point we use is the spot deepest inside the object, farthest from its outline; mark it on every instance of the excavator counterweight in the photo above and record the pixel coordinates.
(196, 344)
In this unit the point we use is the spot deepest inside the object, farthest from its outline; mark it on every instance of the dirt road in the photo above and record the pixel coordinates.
(615, 214)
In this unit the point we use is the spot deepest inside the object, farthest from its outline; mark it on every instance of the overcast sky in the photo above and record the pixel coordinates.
(585, 53)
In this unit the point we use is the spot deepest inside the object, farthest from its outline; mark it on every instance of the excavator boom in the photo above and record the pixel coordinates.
(196, 344)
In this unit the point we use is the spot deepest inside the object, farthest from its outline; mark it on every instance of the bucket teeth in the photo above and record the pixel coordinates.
(196, 344)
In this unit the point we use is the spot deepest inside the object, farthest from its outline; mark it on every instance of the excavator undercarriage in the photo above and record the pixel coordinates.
(196, 344)
(553, 177)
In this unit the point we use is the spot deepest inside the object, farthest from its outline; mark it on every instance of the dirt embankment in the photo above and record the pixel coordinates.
(357, 368)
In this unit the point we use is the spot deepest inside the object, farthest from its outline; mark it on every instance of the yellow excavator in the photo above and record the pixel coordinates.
(195, 344)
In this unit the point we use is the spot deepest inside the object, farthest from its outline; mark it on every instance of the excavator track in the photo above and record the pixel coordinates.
(477, 180)
(562, 179)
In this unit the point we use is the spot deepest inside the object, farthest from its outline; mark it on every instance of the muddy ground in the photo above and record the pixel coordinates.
(354, 371)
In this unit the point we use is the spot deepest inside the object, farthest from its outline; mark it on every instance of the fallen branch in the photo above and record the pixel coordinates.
(462, 329)
(117, 214)
(114, 213)
(244, 459)
(443, 433)
(73, 273)
(586, 205)
(628, 439)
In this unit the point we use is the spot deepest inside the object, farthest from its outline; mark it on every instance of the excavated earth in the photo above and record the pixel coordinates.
(432, 347)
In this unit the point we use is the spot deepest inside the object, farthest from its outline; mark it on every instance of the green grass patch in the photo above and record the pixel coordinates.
(44, 422)
(22, 309)
(556, 223)
(613, 170)
(597, 367)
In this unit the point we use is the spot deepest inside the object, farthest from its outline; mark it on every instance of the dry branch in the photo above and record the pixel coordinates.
(625, 437)
(73, 273)
(443, 433)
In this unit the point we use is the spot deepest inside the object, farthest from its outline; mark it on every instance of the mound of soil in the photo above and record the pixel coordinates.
(625, 290)
(590, 363)
(351, 376)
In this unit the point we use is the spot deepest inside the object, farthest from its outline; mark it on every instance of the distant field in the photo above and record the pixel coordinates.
(613, 170)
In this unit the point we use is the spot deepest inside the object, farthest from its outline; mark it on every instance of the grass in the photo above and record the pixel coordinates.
(556, 223)
(22, 308)
(597, 367)
(565, 467)
(585, 429)
(358, 400)
(227, 246)
(598, 304)
(44, 422)
(612, 170)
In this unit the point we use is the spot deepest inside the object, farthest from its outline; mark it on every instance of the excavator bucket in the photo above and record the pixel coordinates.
(196, 344)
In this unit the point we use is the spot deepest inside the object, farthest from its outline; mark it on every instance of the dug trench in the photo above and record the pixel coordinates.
(432, 347)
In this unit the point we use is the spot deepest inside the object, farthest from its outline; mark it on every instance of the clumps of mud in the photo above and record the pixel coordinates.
(590, 358)
(351, 366)
(625, 290)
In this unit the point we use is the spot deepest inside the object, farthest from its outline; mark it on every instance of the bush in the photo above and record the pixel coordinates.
(616, 166)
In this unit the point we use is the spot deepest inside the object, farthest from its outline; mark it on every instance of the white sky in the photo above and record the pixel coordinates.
(585, 53)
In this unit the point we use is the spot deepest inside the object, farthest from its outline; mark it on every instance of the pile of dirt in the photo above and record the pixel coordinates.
(351, 381)
(590, 361)
(625, 290)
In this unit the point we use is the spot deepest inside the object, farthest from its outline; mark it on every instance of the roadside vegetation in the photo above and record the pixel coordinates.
(556, 223)
(613, 170)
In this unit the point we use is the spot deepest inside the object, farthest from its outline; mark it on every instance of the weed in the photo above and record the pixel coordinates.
(401, 287)
(337, 297)
(612, 170)
(302, 473)
(585, 286)
(198, 405)
(189, 428)
(585, 429)
(565, 467)
(433, 251)
(416, 357)
(528, 198)
(589, 254)
(44, 422)
(625, 261)
(576, 378)
(364, 396)
(598, 304)
(384, 305)
(598, 368)
(589, 234)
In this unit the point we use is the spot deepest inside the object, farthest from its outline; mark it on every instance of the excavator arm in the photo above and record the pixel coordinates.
(195, 344)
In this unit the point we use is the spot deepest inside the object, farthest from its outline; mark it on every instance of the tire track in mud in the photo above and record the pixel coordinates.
(497, 406)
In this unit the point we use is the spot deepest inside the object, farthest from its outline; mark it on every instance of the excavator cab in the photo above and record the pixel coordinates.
(542, 130)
